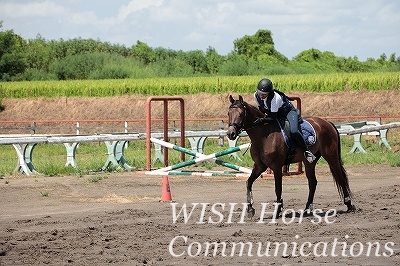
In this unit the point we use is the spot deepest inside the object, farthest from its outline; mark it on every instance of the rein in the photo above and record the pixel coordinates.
(240, 127)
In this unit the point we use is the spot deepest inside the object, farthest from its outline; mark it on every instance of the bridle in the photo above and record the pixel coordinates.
(239, 127)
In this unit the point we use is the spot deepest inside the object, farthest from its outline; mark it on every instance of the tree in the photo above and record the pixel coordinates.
(235, 65)
(12, 57)
(164, 54)
(197, 61)
(310, 55)
(143, 52)
(392, 58)
(39, 54)
(214, 60)
(258, 45)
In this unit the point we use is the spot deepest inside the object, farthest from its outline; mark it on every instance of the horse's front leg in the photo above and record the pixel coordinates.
(278, 191)
(249, 185)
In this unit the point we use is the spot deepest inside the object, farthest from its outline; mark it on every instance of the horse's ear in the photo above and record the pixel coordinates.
(231, 98)
(240, 98)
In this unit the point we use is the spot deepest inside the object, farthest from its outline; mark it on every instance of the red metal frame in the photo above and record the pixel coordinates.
(165, 123)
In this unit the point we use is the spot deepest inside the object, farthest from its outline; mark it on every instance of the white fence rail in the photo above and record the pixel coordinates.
(115, 143)
(24, 144)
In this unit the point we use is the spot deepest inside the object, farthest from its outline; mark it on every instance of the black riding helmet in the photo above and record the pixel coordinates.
(265, 86)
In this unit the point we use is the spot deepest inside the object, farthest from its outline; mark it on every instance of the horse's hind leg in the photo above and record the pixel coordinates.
(312, 186)
(333, 157)
(341, 180)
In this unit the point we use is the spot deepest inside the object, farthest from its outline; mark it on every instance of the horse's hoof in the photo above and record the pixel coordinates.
(307, 213)
(251, 212)
(351, 208)
(278, 214)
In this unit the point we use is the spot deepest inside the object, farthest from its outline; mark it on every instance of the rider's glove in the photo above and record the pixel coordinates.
(262, 120)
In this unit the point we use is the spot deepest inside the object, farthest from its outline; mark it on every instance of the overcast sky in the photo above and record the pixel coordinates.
(362, 28)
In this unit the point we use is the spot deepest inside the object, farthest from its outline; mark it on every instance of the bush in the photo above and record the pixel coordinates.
(110, 72)
(235, 66)
(78, 66)
(35, 74)
(171, 67)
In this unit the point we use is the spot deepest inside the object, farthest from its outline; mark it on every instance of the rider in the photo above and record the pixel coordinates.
(276, 104)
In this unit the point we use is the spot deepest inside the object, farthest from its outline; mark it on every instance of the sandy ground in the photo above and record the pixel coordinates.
(117, 218)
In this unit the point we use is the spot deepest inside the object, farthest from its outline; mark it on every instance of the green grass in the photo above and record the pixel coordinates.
(50, 159)
(44, 193)
(194, 85)
(97, 179)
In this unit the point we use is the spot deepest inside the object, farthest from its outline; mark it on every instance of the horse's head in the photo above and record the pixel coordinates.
(237, 117)
(241, 117)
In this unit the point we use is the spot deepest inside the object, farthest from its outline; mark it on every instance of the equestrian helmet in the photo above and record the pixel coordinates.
(265, 86)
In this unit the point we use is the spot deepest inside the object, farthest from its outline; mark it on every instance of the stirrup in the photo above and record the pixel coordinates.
(309, 156)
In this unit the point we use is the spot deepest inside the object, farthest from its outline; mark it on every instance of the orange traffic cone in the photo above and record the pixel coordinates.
(166, 191)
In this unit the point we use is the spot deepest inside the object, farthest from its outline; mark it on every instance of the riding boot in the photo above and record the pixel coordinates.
(301, 142)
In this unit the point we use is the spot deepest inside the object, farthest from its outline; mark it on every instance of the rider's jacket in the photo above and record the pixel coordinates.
(276, 105)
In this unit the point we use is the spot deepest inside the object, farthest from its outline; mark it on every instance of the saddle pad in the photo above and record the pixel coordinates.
(307, 131)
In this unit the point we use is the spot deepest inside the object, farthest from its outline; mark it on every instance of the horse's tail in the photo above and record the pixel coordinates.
(343, 182)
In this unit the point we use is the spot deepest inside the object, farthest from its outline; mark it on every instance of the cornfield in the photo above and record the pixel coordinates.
(194, 85)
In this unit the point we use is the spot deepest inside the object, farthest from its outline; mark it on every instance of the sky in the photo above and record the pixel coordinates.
(348, 28)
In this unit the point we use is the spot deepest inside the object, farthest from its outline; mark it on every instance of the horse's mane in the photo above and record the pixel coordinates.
(256, 113)
(254, 110)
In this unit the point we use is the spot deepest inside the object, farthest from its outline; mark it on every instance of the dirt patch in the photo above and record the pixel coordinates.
(196, 106)
(120, 220)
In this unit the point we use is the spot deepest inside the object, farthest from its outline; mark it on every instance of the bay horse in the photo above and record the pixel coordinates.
(268, 149)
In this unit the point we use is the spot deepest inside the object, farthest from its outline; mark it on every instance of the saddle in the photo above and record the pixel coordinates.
(306, 129)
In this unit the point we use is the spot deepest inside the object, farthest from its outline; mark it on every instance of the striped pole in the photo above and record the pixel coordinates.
(212, 173)
(201, 157)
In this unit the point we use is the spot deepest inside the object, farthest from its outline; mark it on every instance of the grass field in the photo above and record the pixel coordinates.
(50, 159)
(211, 84)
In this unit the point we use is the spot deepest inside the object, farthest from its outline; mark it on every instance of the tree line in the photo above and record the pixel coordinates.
(41, 59)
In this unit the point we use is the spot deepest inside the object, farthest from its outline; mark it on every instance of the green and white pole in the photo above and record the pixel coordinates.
(202, 157)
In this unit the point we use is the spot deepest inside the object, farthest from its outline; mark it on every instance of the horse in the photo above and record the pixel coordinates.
(269, 150)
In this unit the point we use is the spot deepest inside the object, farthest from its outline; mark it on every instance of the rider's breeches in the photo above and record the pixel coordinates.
(293, 119)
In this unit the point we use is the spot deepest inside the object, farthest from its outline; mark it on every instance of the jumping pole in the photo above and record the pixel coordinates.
(200, 157)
